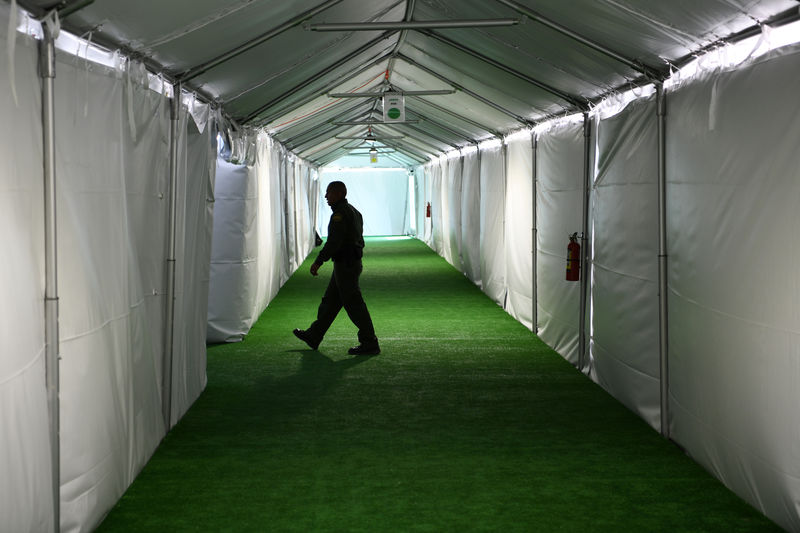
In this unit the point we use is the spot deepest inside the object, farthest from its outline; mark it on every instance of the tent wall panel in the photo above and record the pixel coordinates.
(195, 230)
(470, 218)
(252, 253)
(624, 344)
(234, 268)
(559, 172)
(452, 192)
(492, 219)
(25, 484)
(519, 222)
(111, 374)
(436, 208)
(733, 171)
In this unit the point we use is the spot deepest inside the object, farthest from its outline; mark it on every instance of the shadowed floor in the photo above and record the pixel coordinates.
(465, 422)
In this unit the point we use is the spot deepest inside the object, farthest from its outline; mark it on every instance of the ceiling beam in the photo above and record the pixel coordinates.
(453, 114)
(439, 125)
(290, 136)
(274, 32)
(521, 120)
(410, 25)
(570, 99)
(308, 81)
(638, 66)
(432, 92)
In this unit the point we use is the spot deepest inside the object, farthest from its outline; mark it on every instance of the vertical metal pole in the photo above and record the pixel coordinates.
(47, 71)
(166, 385)
(663, 331)
(587, 133)
(534, 234)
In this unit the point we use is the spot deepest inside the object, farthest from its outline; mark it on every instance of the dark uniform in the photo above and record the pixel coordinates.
(345, 247)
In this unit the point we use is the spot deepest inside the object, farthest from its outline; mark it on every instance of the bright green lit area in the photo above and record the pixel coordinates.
(465, 422)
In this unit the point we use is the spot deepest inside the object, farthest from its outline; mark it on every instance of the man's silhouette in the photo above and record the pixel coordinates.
(345, 247)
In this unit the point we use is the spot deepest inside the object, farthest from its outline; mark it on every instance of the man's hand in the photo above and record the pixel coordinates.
(314, 268)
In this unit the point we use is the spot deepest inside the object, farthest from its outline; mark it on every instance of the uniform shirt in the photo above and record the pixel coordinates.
(345, 234)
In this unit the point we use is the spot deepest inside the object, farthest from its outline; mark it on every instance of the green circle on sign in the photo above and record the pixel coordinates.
(393, 113)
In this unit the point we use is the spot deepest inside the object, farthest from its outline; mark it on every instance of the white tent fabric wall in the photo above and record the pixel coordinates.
(251, 251)
(733, 171)
(196, 177)
(492, 220)
(518, 238)
(470, 217)
(112, 167)
(381, 195)
(234, 265)
(437, 207)
(559, 161)
(25, 485)
(451, 217)
(624, 275)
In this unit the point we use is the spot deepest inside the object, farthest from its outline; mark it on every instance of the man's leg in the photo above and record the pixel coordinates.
(328, 309)
(353, 302)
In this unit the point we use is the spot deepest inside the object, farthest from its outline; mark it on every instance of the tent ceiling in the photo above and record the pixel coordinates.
(259, 61)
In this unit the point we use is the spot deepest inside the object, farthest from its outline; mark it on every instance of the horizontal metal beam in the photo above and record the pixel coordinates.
(371, 137)
(570, 99)
(432, 92)
(468, 120)
(639, 67)
(274, 32)
(327, 70)
(446, 128)
(68, 10)
(410, 25)
(336, 83)
(290, 135)
(521, 120)
(370, 122)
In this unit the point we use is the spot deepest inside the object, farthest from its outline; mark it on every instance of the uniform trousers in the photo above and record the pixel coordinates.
(343, 291)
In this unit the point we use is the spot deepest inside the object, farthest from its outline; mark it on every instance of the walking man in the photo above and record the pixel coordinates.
(345, 247)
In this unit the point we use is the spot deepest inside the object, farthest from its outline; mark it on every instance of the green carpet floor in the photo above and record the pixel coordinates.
(465, 422)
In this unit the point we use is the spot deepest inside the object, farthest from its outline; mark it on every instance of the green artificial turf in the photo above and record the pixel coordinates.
(465, 422)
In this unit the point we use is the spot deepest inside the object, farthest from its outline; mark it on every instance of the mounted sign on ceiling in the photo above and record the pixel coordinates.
(394, 109)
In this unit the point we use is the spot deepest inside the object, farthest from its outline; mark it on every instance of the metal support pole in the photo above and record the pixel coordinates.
(169, 328)
(534, 234)
(47, 71)
(587, 134)
(663, 317)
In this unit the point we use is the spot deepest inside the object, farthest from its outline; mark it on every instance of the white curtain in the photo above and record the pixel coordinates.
(451, 216)
(733, 169)
(559, 201)
(625, 334)
(470, 217)
(492, 223)
(252, 252)
(112, 166)
(518, 228)
(25, 484)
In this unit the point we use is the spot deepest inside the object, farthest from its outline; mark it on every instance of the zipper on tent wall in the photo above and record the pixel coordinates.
(587, 134)
(47, 71)
(169, 328)
(663, 330)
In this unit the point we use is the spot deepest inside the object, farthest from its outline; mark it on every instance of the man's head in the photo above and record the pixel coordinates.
(335, 192)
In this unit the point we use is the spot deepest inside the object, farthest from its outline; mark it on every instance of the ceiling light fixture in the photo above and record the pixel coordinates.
(432, 92)
(369, 122)
(410, 25)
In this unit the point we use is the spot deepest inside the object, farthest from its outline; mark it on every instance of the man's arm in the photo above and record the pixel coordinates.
(336, 233)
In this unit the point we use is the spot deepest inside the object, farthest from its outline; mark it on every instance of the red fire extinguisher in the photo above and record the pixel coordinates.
(573, 258)
(428, 210)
